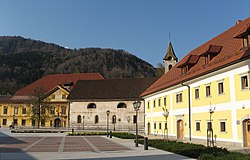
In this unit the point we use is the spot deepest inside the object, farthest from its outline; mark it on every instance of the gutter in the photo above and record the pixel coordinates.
(189, 110)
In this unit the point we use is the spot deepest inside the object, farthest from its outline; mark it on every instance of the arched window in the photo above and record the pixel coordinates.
(96, 119)
(91, 105)
(79, 119)
(114, 119)
(169, 67)
(121, 105)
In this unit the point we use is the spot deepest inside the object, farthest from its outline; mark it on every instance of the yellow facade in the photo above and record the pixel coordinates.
(227, 98)
(56, 111)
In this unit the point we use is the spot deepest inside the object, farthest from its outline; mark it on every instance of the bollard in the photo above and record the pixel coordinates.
(72, 130)
(110, 134)
(145, 143)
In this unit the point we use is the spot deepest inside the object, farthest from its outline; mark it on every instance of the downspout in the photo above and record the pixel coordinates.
(68, 114)
(189, 110)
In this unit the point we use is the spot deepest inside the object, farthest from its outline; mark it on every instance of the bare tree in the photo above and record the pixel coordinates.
(39, 108)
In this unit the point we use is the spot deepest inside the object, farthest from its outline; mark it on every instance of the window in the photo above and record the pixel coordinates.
(209, 126)
(134, 119)
(91, 105)
(5, 110)
(63, 96)
(154, 104)
(16, 110)
(121, 105)
(113, 119)
(53, 96)
(63, 109)
(79, 119)
(51, 123)
(4, 122)
(15, 122)
(42, 122)
(23, 122)
(23, 110)
(244, 82)
(148, 104)
(159, 125)
(52, 110)
(198, 126)
(166, 125)
(170, 66)
(33, 122)
(33, 110)
(165, 101)
(96, 119)
(159, 102)
(43, 110)
(208, 93)
(178, 97)
(154, 125)
(223, 126)
(220, 88)
(197, 95)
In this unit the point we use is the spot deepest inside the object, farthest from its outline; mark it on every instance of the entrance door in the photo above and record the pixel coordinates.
(180, 129)
(246, 128)
(57, 123)
(148, 128)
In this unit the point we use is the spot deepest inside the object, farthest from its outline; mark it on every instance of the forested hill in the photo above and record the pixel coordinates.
(23, 61)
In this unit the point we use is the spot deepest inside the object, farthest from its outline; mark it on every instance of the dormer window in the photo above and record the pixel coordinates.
(244, 34)
(211, 52)
(188, 64)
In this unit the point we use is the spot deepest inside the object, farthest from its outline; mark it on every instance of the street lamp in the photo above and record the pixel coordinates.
(211, 111)
(108, 112)
(83, 122)
(137, 105)
(165, 114)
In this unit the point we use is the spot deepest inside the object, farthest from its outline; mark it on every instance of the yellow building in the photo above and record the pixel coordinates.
(44, 101)
(206, 95)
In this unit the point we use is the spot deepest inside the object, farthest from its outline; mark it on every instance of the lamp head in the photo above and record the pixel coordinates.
(108, 112)
(137, 105)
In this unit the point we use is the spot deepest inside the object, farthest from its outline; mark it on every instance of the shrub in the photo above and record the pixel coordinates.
(125, 135)
(197, 151)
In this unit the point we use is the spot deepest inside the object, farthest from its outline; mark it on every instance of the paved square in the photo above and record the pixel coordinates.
(58, 144)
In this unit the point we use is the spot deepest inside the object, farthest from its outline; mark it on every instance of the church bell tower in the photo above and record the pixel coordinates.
(170, 59)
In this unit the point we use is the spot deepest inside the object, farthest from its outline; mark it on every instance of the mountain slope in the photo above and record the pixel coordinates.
(23, 61)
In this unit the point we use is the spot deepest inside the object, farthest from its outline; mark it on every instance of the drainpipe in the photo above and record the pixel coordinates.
(68, 114)
(189, 109)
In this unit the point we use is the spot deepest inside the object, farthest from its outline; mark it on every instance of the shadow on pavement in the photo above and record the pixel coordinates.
(10, 147)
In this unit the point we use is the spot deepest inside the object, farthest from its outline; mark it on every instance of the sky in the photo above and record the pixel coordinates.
(141, 27)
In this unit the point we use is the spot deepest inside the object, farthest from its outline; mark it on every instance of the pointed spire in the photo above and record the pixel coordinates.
(170, 55)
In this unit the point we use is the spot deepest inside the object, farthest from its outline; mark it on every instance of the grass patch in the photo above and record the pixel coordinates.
(196, 151)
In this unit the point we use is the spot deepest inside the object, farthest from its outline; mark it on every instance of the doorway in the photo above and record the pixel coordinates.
(57, 123)
(246, 132)
(180, 129)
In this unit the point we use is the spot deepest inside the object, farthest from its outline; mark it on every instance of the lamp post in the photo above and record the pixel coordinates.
(108, 112)
(137, 105)
(211, 111)
(83, 122)
(165, 114)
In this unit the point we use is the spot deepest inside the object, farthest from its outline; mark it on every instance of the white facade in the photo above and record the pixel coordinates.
(124, 117)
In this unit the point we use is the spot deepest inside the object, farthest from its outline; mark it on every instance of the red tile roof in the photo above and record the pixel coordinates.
(231, 52)
(48, 82)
